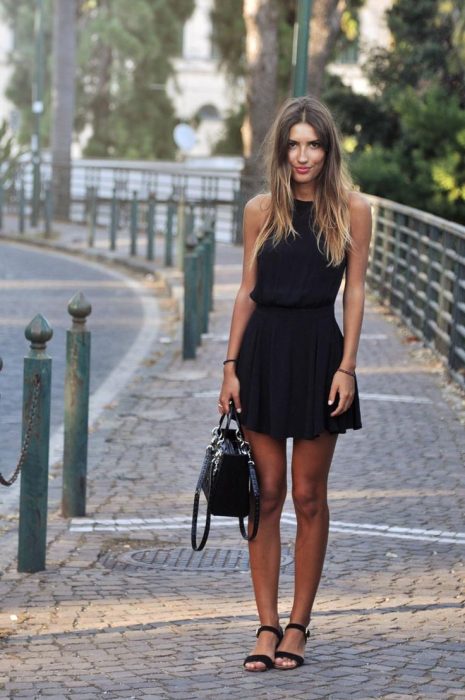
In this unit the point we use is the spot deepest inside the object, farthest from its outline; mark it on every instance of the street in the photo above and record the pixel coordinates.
(34, 281)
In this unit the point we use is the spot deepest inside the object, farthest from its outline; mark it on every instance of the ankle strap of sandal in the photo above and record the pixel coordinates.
(268, 628)
(294, 625)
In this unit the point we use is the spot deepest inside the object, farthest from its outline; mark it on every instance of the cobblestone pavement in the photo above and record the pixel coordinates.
(124, 611)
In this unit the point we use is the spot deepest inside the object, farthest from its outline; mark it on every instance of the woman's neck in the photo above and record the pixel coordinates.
(303, 193)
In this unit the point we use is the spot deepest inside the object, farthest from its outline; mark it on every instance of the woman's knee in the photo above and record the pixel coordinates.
(272, 497)
(310, 501)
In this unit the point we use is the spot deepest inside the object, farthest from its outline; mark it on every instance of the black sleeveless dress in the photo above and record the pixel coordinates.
(292, 345)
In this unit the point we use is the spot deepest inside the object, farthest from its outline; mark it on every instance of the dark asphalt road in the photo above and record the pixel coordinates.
(33, 281)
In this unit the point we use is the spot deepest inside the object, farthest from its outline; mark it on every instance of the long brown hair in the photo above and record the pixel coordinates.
(331, 202)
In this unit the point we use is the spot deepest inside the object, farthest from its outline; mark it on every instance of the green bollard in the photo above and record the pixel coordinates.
(22, 208)
(190, 324)
(113, 220)
(200, 290)
(207, 274)
(76, 409)
(92, 217)
(181, 233)
(36, 432)
(210, 237)
(2, 199)
(134, 223)
(48, 211)
(169, 236)
(151, 228)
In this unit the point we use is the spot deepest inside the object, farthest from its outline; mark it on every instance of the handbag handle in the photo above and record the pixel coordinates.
(232, 414)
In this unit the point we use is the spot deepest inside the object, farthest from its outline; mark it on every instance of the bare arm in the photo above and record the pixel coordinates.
(353, 300)
(254, 214)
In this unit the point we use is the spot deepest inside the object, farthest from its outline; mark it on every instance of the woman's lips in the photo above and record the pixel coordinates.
(302, 171)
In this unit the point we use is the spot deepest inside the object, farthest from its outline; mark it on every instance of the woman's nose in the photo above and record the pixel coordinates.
(302, 156)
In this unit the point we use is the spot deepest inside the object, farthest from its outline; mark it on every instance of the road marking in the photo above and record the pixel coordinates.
(184, 522)
(397, 398)
(217, 338)
(400, 398)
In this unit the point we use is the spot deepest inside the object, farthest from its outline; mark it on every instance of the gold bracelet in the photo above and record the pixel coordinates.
(346, 371)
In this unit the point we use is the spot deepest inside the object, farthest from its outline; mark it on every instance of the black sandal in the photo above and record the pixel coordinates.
(299, 660)
(263, 658)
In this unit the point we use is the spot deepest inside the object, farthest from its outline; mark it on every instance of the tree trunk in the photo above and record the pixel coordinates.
(261, 22)
(324, 30)
(64, 67)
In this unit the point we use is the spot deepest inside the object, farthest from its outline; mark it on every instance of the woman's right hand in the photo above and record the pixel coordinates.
(229, 391)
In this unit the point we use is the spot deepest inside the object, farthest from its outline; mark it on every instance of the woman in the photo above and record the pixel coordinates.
(288, 369)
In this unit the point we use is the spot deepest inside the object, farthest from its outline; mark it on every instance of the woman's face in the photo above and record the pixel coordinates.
(305, 153)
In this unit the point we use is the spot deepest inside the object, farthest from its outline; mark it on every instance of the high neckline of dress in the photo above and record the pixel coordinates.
(302, 202)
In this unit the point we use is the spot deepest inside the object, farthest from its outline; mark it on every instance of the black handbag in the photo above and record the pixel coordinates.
(228, 480)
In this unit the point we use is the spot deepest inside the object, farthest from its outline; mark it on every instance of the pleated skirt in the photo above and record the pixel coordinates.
(285, 367)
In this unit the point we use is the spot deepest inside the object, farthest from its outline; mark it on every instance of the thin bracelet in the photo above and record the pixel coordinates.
(229, 360)
(346, 371)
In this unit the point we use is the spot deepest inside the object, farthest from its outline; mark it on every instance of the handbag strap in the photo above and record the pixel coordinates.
(195, 512)
(254, 488)
(255, 497)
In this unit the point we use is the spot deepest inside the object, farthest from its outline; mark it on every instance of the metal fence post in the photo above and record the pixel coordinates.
(113, 220)
(190, 322)
(151, 228)
(134, 223)
(34, 472)
(169, 236)
(22, 207)
(76, 409)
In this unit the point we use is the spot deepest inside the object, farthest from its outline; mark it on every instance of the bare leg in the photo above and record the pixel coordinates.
(311, 461)
(265, 550)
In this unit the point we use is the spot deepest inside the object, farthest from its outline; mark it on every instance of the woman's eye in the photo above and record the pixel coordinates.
(315, 144)
(291, 144)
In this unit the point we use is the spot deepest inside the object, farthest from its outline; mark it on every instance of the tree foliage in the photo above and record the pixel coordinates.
(124, 60)
(229, 39)
(429, 39)
(413, 152)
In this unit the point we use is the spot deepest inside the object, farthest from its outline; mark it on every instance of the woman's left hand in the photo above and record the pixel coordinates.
(344, 386)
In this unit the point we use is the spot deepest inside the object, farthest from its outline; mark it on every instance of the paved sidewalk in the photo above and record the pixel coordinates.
(125, 611)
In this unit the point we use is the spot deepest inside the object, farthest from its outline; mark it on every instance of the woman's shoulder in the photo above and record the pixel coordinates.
(259, 205)
(256, 211)
(358, 203)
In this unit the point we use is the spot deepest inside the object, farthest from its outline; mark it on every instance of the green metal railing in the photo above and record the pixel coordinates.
(417, 268)
(96, 188)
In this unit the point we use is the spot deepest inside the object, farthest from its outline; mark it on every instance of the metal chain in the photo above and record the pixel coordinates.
(27, 435)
